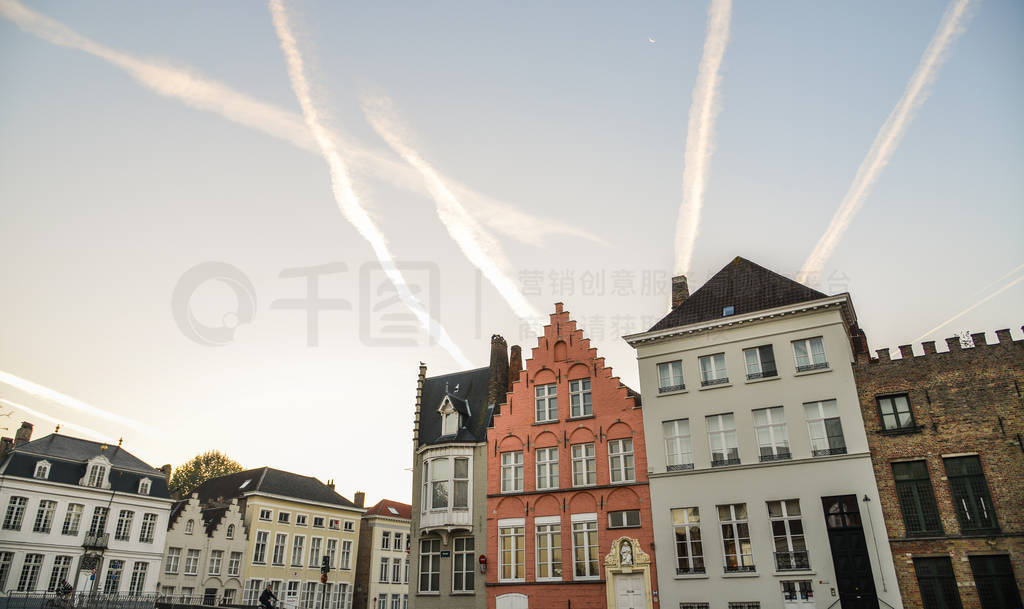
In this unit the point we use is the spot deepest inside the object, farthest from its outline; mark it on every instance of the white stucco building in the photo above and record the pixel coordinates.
(382, 574)
(762, 490)
(83, 511)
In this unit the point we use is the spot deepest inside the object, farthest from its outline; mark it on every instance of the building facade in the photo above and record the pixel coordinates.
(204, 553)
(294, 523)
(382, 571)
(568, 509)
(945, 434)
(83, 511)
(449, 505)
(762, 488)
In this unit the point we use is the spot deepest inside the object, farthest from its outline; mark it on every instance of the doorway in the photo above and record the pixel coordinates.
(629, 591)
(850, 558)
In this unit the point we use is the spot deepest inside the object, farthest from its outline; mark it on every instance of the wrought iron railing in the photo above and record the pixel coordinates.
(809, 367)
(740, 568)
(694, 570)
(52, 600)
(724, 462)
(668, 388)
(764, 374)
(679, 467)
(779, 456)
(792, 561)
(721, 381)
(824, 452)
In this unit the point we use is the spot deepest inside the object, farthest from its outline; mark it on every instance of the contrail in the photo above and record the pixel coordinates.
(79, 428)
(703, 110)
(971, 308)
(889, 136)
(206, 94)
(341, 185)
(67, 401)
(475, 242)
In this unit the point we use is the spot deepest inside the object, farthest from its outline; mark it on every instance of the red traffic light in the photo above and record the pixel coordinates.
(323, 578)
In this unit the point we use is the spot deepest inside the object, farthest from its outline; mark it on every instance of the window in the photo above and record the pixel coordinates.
(917, 501)
(937, 583)
(334, 524)
(772, 439)
(970, 494)
(760, 362)
(396, 601)
(30, 572)
(42, 470)
(449, 419)
(318, 522)
(229, 597)
(788, 533)
(44, 516)
(546, 402)
(896, 413)
(405, 575)
(678, 445)
(825, 428)
(253, 589)
(192, 562)
(15, 513)
(396, 570)
(439, 472)
(148, 528)
(97, 475)
(186, 594)
(99, 521)
(739, 556)
(722, 439)
(230, 533)
(265, 514)
(512, 471)
(115, 568)
(547, 468)
(584, 546)
(549, 548)
(670, 376)
(173, 558)
(6, 558)
(430, 565)
(689, 544)
(314, 551)
(350, 526)
(712, 370)
(798, 590)
(405, 601)
(993, 575)
(346, 554)
(216, 558)
(624, 519)
(810, 354)
(511, 550)
(580, 400)
(301, 520)
(190, 526)
(308, 594)
(298, 550)
(332, 552)
(584, 464)
(463, 565)
(398, 540)
(234, 563)
(382, 601)
(620, 460)
(385, 540)
(72, 519)
(124, 525)
(144, 486)
(138, 581)
(385, 564)
(745, 605)
(59, 573)
(259, 552)
(280, 541)
(283, 517)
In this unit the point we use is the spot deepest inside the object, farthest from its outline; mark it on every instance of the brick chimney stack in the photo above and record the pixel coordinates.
(497, 381)
(23, 435)
(680, 290)
(515, 365)
(330, 484)
(359, 498)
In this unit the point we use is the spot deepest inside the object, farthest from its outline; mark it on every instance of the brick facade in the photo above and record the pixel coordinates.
(964, 401)
(563, 354)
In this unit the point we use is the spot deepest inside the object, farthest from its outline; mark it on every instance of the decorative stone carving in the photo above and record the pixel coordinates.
(626, 553)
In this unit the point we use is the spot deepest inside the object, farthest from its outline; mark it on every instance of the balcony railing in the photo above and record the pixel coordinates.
(779, 456)
(708, 382)
(764, 374)
(740, 568)
(808, 367)
(824, 452)
(48, 600)
(724, 462)
(686, 570)
(98, 542)
(669, 388)
(792, 561)
(679, 467)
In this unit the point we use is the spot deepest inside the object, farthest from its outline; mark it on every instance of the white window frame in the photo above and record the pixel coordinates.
(621, 462)
(809, 354)
(266, 515)
(722, 430)
(586, 524)
(173, 561)
(280, 542)
(581, 400)
(259, 547)
(144, 486)
(733, 525)
(234, 563)
(512, 471)
(771, 433)
(468, 559)
(754, 362)
(385, 540)
(44, 516)
(192, 558)
(683, 527)
(123, 531)
(670, 376)
(625, 519)
(678, 444)
(42, 470)
(346, 554)
(298, 550)
(331, 551)
(15, 515)
(384, 571)
(315, 546)
(545, 401)
(513, 532)
(584, 461)
(817, 427)
(284, 517)
(548, 543)
(547, 467)
(73, 519)
(786, 516)
(433, 566)
(713, 370)
(216, 561)
(396, 570)
(147, 532)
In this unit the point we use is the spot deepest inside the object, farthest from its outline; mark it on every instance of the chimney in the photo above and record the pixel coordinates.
(515, 365)
(166, 469)
(23, 435)
(359, 498)
(330, 484)
(6, 446)
(680, 290)
(497, 378)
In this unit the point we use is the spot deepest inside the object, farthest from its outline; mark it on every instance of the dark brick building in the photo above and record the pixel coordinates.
(945, 431)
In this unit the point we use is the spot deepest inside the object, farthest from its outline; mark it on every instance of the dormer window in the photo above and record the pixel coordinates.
(144, 486)
(97, 472)
(42, 470)
(449, 418)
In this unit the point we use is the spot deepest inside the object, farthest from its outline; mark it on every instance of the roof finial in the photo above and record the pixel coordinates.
(119, 442)
(58, 429)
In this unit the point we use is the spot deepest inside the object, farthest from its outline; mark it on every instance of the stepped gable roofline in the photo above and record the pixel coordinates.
(270, 481)
(384, 507)
(468, 392)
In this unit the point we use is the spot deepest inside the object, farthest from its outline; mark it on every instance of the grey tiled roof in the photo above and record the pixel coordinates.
(468, 392)
(271, 481)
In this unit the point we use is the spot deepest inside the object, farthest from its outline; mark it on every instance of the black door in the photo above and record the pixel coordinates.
(997, 587)
(849, 553)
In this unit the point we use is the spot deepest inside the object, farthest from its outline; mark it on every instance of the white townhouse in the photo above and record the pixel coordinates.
(382, 573)
(762, 489)
(79, 510)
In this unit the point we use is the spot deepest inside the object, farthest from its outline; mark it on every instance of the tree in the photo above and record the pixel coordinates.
(190, 475)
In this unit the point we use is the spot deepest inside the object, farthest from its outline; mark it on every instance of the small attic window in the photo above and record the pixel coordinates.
(42, 470)
(393, 510)
(144, 486)
(190, 526)
(245, 484)
(728, 310)
(230, 532)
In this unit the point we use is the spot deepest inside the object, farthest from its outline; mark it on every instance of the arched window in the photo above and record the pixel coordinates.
(144, 486)
(191, 524)
(42, 470)
(231, 532)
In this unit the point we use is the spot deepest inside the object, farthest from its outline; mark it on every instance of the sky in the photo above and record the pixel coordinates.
(558, 132)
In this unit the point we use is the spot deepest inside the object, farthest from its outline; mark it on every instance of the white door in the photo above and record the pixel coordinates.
(629, 591)
(512, 601)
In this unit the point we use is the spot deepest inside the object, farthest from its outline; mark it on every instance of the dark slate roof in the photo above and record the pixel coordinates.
(743, 285)
(212, 517)
(69, 458)
(270, 481)
(468, 392)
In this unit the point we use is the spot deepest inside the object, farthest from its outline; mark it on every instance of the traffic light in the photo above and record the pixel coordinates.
(325, 565)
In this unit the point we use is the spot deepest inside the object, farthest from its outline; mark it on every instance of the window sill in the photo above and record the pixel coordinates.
(594, 578)
(551, 422)
(815, 371)
(692, 576)
(762, 379)
(549, 579)
(900, 431)
(428, 594)
(674, 392)
(791, 572)
(580, 418)
(511, 581)
(715, 386)
(464, 593)
(741, 574)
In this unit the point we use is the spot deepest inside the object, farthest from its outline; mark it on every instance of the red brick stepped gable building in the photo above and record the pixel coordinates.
(568, 506)
(945, 433)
